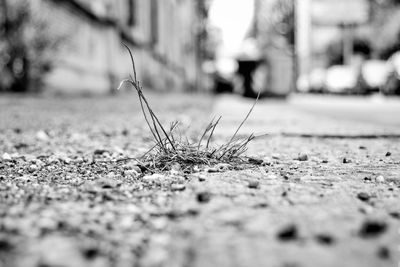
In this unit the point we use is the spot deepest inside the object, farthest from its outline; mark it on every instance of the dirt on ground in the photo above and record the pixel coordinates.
(67, 199)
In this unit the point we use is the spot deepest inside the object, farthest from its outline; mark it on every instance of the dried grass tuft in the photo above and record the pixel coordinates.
(170, 148)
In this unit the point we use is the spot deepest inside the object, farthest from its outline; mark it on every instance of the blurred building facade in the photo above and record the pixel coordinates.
(161, 33)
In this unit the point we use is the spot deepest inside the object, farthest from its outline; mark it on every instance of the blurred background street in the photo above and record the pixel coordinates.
(275, 47)
(319, 185)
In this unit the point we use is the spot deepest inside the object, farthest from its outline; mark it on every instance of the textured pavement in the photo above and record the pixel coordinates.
(327, 193)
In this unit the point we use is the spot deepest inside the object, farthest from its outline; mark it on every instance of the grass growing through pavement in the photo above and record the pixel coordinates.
(171, 148)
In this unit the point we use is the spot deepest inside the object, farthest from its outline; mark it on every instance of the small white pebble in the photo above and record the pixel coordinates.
(380, 179)
(6, 156)
(196, 169)
(267, 161)
(42, 136)
(33, 168)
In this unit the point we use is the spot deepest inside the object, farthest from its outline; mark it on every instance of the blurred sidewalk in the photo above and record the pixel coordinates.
(308, 115)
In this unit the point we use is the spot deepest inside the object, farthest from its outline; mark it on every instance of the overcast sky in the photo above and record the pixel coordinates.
(234, 18)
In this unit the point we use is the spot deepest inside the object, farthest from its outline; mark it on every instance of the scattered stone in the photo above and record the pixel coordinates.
(178, 187)
(90, 252)
(261, 205)
(276, 156)
(108, 183)
(267, 161)
(388, 154)
(254, 184)
(383, 253)
(223, 167)
(366, 209)
(33, 168)
(324, 239)
(370, 229)
(346, 160)
(201, 177)
(211, 170)
(380, 179)
(363, 196)
(196, 169)
(324, 161)
(125, 132)
(42, 136)
(395, 214)
(90, 187)
(65, 159)
(6, 157)
(288, 233)
(302, 157)
(20, 145)
(362, 147)
(367, 179)
(203, 197)
(100, 151)
(255, 161)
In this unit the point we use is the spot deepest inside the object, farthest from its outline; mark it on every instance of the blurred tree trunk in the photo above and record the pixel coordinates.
(3, 5)
(17, 63)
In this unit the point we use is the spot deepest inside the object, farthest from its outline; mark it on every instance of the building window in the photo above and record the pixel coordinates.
(154, 21)
(131, 12)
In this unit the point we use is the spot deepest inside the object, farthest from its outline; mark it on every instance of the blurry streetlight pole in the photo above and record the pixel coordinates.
(303, 37)
(347, 37)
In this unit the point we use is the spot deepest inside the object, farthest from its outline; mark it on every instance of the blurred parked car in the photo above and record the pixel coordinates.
(373, 76)
(341, 79)
(312, 83)
(392, 85)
